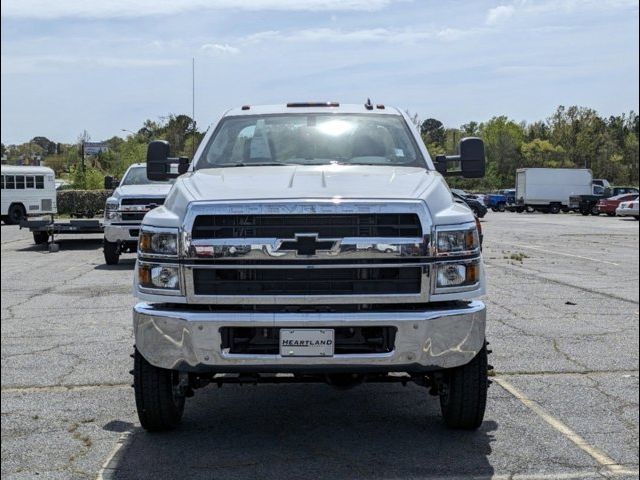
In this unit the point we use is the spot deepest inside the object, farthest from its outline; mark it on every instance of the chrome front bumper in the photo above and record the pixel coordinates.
(190, 340)
(121, 233)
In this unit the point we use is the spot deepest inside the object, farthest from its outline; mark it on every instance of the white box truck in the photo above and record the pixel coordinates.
(548, 189)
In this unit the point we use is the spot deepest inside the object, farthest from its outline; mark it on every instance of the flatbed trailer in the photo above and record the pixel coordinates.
(45, 230)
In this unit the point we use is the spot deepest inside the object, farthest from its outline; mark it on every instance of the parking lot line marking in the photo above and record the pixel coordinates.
(562, 253)
(122, 439)
(595, 453)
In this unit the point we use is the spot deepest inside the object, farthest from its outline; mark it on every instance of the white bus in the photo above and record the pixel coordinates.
(27, 191)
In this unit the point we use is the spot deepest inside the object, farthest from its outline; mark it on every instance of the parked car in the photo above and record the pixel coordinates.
(588, 204)
(610, 205)
(628, 209)
(478, 208)
(497, 202)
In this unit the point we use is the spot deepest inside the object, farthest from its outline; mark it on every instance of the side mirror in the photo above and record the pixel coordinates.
(471, 157)
(160, 166)
(108, 183)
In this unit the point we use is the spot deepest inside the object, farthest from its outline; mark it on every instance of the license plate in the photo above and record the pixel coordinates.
(306, 342)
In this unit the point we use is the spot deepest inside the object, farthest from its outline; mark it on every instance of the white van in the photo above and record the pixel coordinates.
(27, 191)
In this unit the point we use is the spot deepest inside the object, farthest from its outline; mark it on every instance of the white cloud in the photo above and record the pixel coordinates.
(217, 48)
(372, 35)
(500, 14)
(50, 63)
(48, 9)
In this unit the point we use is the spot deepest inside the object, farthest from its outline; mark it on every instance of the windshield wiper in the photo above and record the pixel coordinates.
(241, 164)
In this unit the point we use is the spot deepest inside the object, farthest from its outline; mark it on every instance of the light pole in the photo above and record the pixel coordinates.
(128, 131)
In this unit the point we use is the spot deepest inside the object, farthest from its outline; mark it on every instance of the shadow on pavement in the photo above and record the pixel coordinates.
(306, 431)
(123, 264)
(67, 244)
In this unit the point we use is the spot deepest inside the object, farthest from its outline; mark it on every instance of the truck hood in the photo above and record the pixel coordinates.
(321, 181)
(153, 190)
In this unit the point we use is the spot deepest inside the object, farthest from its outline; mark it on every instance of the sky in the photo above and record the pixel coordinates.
(104, 66)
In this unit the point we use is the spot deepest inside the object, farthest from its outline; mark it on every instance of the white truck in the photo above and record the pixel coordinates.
(310, 242)
(27, 191)
(548, 189)
(133, 197)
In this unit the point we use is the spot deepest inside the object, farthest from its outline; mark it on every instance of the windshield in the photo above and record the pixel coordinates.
(138, 176)
(311, 139)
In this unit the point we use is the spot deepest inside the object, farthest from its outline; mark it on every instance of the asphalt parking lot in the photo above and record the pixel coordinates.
(563, 326)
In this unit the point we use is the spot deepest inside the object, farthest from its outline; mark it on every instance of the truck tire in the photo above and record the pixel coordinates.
(15, 214)
(463, 396)
(584, 212)
(40, 238)
(594, 211)
(111, 252)
(554, 209)
(494, 209)
(159, 408)
(502, 207)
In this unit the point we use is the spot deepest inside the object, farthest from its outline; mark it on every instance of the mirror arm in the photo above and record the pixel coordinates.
(441, 165)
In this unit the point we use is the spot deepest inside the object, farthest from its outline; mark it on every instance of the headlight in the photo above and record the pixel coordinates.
(158, 242)
(111, 210)
(455, 275)
(457, 240)
(159, 276)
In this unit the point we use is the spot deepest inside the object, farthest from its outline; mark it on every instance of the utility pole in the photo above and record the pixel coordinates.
(193, 107)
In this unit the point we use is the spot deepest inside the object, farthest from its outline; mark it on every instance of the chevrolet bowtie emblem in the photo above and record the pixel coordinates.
(306, 244)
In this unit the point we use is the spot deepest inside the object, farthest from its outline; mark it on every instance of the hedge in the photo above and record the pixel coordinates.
(82, 201)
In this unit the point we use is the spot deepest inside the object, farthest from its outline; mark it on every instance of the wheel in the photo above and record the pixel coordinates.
(40, 238)
(15, 214)
(502, 207)
(463, 395)
(111, 252)
(494, 209)
(529, 209)
(637, 217)
(555, 209)
(584, 212)
(594, 211)
(159, 407)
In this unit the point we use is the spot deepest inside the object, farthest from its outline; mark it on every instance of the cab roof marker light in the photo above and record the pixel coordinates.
(312, 104)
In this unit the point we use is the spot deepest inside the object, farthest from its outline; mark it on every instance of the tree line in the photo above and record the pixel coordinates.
(572, 137)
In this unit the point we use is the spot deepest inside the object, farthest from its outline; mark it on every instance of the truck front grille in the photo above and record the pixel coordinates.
(135, 216)
(325, 226)
(292, 281)
(348, 340)
(142, 201)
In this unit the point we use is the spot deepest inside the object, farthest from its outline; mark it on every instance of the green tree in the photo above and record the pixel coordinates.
(432, 131)
(503, 139)
(542, 153)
